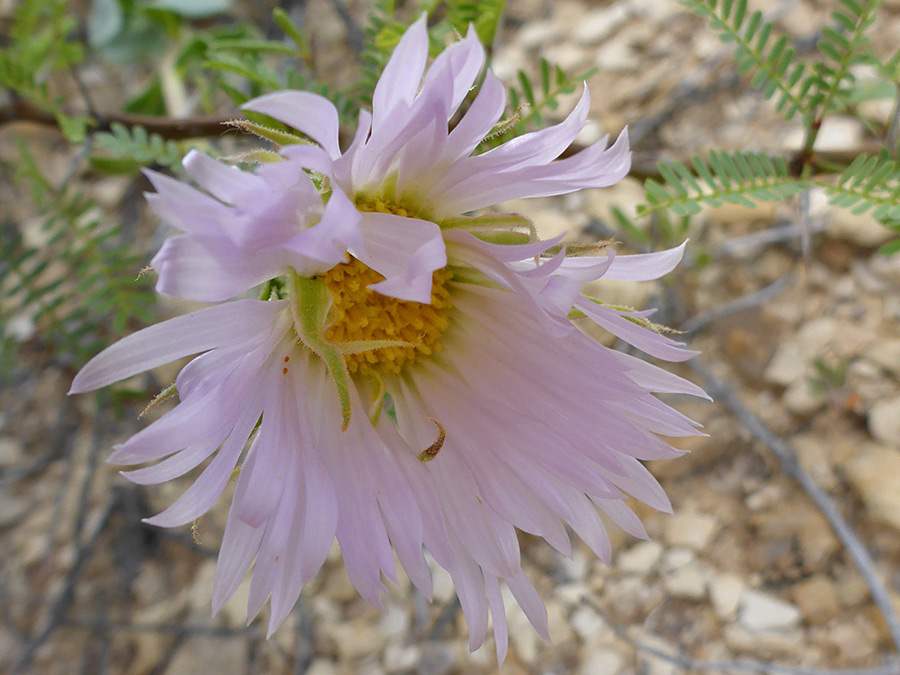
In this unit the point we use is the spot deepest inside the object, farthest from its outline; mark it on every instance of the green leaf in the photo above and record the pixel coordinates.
(150, 101)
(890, 248)
(193, 9)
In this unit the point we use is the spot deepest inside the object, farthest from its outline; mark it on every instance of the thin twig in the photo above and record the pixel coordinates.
(355, 37)
(304, 647)
(721, 392)
(170, 128)
(748, 243)
(681, 660)
(184, 630)
(755, 299)
(445, 618)
(61, 440)
(893, 134)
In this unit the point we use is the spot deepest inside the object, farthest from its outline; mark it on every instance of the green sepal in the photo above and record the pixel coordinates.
(268, 133)
(490, 221)
(310, 302)
(165, 394)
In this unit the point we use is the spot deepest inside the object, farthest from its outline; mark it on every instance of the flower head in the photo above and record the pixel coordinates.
(382, 290)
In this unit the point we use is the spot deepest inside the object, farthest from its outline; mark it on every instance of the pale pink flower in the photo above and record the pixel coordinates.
(505, 415)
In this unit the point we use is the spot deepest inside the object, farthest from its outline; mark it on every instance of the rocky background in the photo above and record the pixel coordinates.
(747, 575)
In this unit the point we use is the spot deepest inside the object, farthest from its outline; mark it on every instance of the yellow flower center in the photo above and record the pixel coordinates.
(358, 314)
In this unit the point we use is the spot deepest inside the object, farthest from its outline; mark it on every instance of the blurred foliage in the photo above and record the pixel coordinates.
(70, 276)
(809, 91)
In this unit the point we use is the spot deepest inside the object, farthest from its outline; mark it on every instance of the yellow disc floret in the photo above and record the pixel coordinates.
(360, 315)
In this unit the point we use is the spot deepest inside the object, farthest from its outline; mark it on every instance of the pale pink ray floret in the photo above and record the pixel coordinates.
(539, 428)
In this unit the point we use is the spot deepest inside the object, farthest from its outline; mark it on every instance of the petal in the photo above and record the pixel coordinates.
(480, 118)
(592, 167)
(308, 113)
(222, 181)
(191, 271)
(645, 266)
(325, 243)
(498, 616)
(655, 379)
(400, 78)
(185, 207)
(343, 165)
(405, 250)
(530, 602)
(239, 546)
(452, 74)
(229, 323)
(638, 336)
(204, 491)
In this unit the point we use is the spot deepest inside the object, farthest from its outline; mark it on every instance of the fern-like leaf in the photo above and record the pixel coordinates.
(530, 101)
(842, 46)
(724, 178)
(771, 61)
(870, 184)
(126, 150)
(485, 15)
(76, 286)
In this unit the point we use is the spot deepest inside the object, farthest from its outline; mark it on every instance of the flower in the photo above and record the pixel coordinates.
(503, 414)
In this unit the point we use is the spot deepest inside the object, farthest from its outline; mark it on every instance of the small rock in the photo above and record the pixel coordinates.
(208, 656)
(676, 558)
(836, 133)
(398, 658)
(792, 360)
(604, 661)
(886, 353)
(356, 639)
(875, 474)
(765, 498)
(687, 582)
(725, 592)
(539, 34)
(640, 558)
(851, 589)
(597, 25)
(802, 398)
(570, 594)
(523, 639)
(884, 421)
(771, 643)
(321, 667)
(762, 612)
(394, 620)
(558, 623)
(690, 529)
(566, 55)
(589, 626)
(817, 599)
(11, 452)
